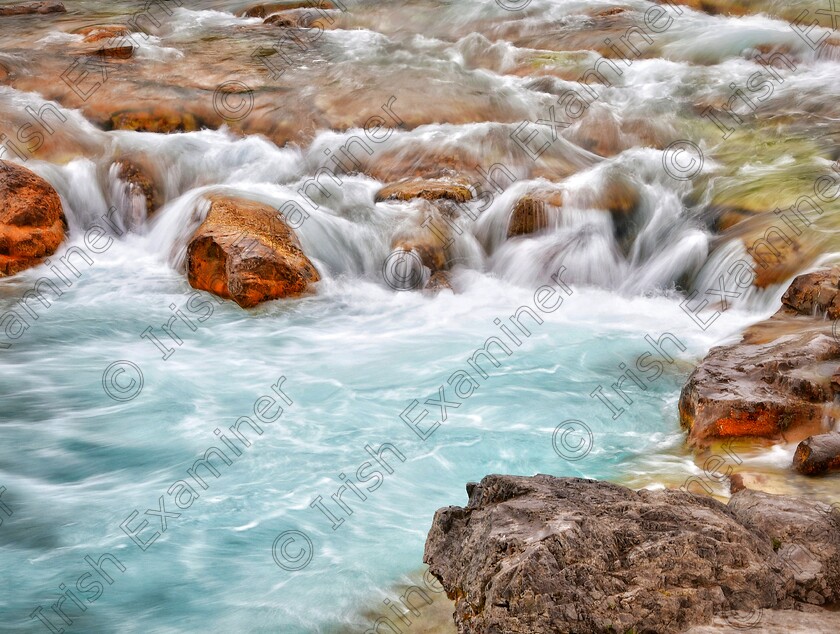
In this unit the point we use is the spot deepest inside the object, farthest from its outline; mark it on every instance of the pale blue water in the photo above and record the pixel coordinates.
(76, 463)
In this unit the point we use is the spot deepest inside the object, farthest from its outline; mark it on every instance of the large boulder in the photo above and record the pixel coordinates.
(244, 251)
(31, 219)
(779, 381)
(544, 555)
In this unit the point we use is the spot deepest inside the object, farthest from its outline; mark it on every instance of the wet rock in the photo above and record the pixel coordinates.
(159, 120)
(775, 383)
(818, 454)
(528, 216)
(428, 189)
(139, 183)
(100, 32)
(780, 380)
(805, 536)
(428, 249)
(267, 9)
(439, 281)
(112, 53)
(815, 294)
(31, 219)
(41, 8)
(245, 252)
(544, 555)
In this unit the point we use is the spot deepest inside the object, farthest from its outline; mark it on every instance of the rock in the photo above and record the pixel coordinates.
(544, 555)
(245, 252)
(100, 32)
(775, 383)
(42, 8)
(818, 454)
(114, 52)
(264, 10)
(138, 183)
(815, 294)
(439, 281)
(528, 216)
(805, 536)
(160, 120)
(31, 219)
(812, 621)
(428, 189)
(430, 251)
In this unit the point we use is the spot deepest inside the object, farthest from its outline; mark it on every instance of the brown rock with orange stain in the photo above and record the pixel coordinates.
(428, 189)
(818, 454)
(31, 219)
(775, 383)
(245, 252)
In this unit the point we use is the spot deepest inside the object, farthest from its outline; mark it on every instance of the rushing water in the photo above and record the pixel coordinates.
(355, 354)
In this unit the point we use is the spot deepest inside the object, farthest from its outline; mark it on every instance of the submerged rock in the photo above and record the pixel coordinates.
(428, 189)
(528, 216)
(245, 252)
(100, 32)
(31, 219)
(42, 8)
(162, 120)
(543, 555)
(138, 183)
(267, 9)
(777, 381)
(439, 281)
(818, 454)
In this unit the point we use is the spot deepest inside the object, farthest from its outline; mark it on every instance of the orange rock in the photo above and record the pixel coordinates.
(244, 251)
(428, 189)
(102, 32)
(160, 120)
(31, 219)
